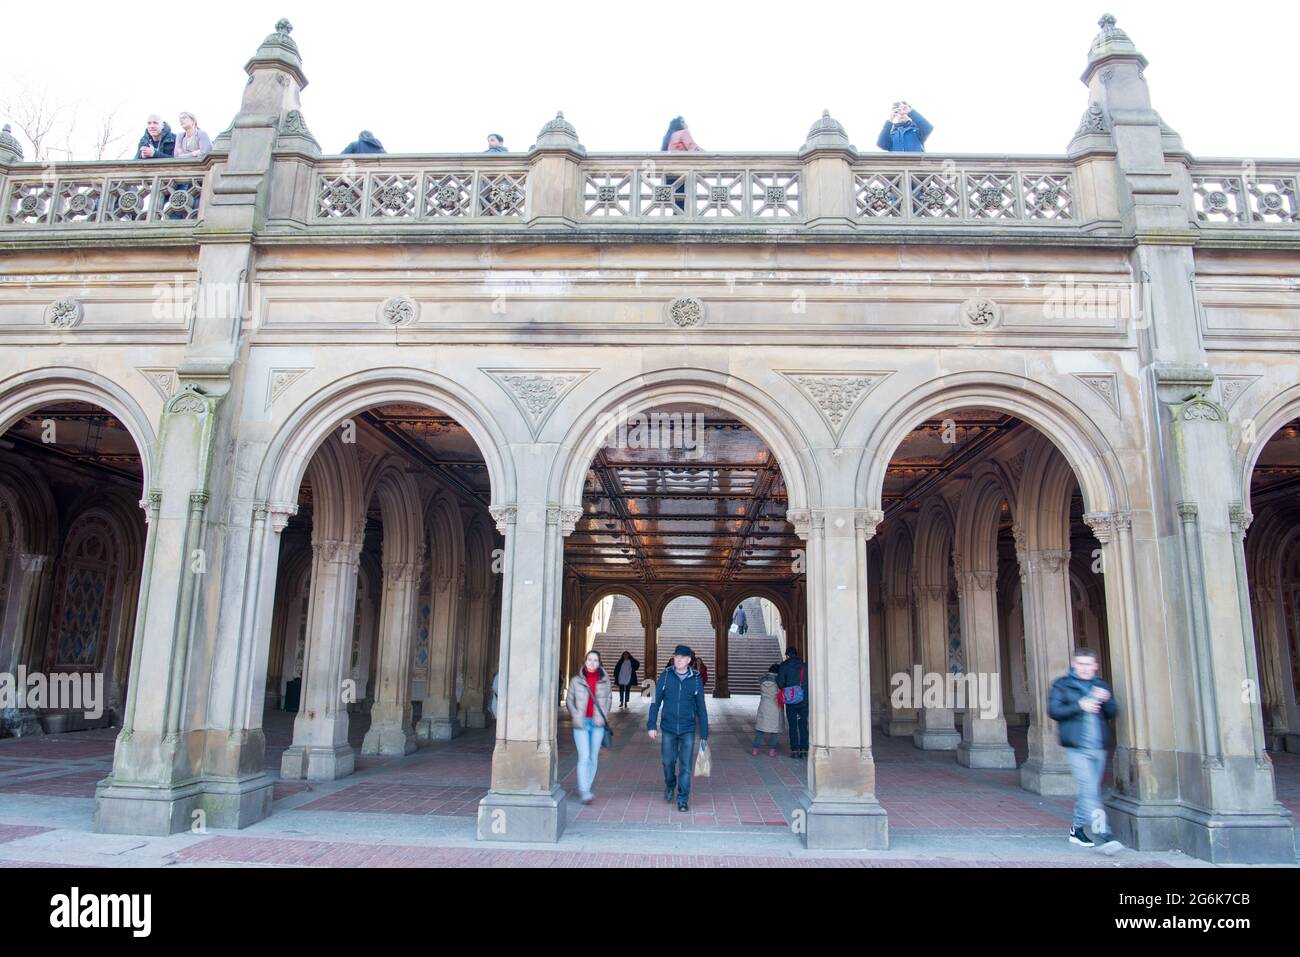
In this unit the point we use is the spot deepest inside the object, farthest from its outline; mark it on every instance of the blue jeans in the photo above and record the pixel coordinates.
(587, 739)
(1087, 765)
(678, 754)
(760, 735)
(796, 716)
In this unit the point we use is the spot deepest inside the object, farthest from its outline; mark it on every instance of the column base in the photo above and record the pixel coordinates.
(20, 723)
(936, 740)
(1262, 837)
(522, 818)
(476, 718)
(312, 763)
(1053, 780)
(389, 739)
(1292, 743)
(971, 755)
(154, 811)
(899, 727)
(238, 804)
(437, 729)
(844, 825)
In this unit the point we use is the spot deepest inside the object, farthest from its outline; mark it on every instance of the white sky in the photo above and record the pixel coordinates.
(993, 77)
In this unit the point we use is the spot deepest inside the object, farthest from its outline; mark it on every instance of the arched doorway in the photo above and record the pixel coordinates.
(72, 543)
(392, 600)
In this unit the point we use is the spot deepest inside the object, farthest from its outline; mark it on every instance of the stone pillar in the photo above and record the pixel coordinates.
(439, 722)
(478, 683)
(900, 722)
(390, 716)
(984, 731)
(554, 176)
(721, 688)
(1268, 612)
(526, 802)
(320, 749)
(154, 787)
(839, 808)
(30, 595)
(1049, 639)
(936, 728)
(828, 156)
(649, 664)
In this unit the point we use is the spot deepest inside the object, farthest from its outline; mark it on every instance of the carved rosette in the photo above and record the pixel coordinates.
(981, 313)
(686, 312)
(65, 313)
(398, 311)
(1106, 385)
(279, 381)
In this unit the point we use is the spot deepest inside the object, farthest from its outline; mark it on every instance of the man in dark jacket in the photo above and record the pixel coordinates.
(365, 143)
(680, 693)
(1081, 703)
(158, 142)
(495, 144)
(794, 674)
(905, 131)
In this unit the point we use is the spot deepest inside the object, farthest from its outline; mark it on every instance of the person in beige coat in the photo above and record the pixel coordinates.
(589, 700)
(769, 713)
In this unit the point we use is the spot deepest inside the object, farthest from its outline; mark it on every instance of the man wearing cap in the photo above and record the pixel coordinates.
(680, 693)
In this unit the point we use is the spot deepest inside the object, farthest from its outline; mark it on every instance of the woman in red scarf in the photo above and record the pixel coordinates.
(590, 696)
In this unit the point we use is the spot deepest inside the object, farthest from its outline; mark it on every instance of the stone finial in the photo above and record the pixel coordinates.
(558, 134)
(826, 133)
(11, 151)
(1111, 42)
(280, 51)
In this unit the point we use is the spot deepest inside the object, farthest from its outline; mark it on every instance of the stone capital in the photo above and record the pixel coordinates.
(34, 564)
(504, 516)
(277, 514)
(335, 552)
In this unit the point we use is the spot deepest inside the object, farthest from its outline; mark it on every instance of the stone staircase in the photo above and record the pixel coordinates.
(687, 622)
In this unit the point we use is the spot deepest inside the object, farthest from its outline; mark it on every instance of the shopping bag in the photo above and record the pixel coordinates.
(702, 761)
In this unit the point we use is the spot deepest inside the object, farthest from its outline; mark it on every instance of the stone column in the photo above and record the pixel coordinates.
(721, 688)
(526, 802)
(649, 664)
(1268, 613)
(900, 722)
(984, 732)
(839, 809)
(439, 720)
(154, 787)
(936, 726)
(320, 749)
(390, 716)
(30, 595)
(478, 682)
(1049, 639)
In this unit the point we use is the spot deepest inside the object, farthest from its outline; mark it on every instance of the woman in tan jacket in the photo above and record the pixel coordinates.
(768, 721)
(590, 697)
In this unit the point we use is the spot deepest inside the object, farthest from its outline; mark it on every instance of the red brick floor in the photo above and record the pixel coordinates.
(16, 832)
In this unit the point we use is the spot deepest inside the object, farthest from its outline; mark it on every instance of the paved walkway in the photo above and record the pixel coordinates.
(420, 810)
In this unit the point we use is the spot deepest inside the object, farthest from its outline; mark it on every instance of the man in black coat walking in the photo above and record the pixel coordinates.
(1081, 703)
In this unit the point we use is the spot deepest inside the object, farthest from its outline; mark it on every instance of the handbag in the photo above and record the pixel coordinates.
(607, 739)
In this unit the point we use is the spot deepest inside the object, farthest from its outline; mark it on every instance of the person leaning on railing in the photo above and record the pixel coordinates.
(193, 143)
(365, 143)
(905, 131)
(158, 141)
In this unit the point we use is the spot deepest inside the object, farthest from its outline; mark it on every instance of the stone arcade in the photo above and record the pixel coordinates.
(955, 413)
